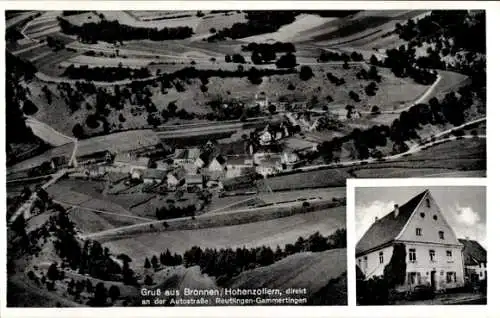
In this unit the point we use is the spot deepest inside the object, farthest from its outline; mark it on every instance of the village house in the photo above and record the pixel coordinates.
(94, 158)
(186, 156)
(474, 260)
(153, 176)
(217, 164)
(289, 159)
(262, 102)
(433, 252)
(57, 162)
(239, 165)
(194, 182)
(130, 162)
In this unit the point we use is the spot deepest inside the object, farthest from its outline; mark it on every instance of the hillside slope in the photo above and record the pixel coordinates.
(307, 270)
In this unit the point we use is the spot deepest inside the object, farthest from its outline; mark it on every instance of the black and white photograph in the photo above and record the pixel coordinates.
(421, 245)
(200, 157)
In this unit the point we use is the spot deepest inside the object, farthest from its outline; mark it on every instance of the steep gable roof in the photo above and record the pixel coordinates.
(387, 228)
(474, 253)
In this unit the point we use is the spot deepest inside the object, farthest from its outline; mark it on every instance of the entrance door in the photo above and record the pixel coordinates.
(433, 280)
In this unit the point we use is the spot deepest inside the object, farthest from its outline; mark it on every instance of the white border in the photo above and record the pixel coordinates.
(430, 310)
(493, 24)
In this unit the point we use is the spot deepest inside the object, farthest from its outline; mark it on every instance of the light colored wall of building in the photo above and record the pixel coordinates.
(441, 264)
(371, 266)
(480, 270)
(430, 228)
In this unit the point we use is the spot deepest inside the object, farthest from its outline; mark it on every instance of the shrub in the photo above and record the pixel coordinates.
(306, 73)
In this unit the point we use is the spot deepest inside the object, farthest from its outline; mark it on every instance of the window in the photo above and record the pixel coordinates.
(428, 203)
(441, 235)
(365, 262)
(480, 274)
(435, 217)
(381, 257)
(448, 254)
(419, 231)
(451, 277)
(432, 255)
(412, 255)
(414, 278)
(422, 215)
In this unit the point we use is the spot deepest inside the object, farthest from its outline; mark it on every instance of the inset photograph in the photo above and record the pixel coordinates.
(421, 245)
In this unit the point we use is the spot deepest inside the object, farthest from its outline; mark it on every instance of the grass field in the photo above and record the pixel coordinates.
(271, 233)
(311, 179)
(308, 270)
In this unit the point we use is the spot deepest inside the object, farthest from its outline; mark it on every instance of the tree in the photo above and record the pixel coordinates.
(373, 60)
(306, 73)
(375, 110)
(179, 194)
(256, 58)
(100, 295)
(53, 272)
(29, 108)
(154, 262)
(395, 271)
(114, 292)
(148, 280)
(238, 58)
(172, 108)
(272, 108)
(147, 264)
(286, 61)
(78, 131)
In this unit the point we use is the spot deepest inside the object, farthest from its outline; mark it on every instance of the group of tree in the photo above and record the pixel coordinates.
(235, 58)
(113, 31)
(328, 56)
(263, 53)
(465, 28)
(229, 262)
(276, 47)
(91, 258)
(16, 96)
(105, 74)
(166, 259)
(287, 60)
(403, 64)
(257, 22)
(334, 79)
(54, 43)
(173, 211)
(451, 109)
(371, 74)
(253, 74)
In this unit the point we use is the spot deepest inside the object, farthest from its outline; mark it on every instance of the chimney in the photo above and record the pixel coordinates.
(376, 218)
(396, 210)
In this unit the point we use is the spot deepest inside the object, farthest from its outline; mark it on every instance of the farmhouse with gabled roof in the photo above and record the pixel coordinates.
(433, 252)
(474, 260)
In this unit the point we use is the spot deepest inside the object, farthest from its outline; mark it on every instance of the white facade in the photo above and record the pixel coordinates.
(433, 254)
(480, 270)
